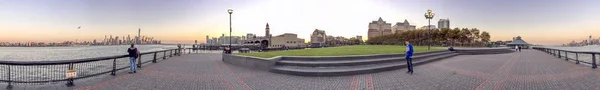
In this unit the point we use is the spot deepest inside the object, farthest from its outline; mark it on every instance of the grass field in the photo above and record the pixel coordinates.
(342, 51)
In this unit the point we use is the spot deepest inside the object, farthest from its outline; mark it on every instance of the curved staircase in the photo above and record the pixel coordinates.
(335, 66)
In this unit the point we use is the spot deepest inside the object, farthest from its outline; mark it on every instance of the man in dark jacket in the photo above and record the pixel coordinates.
(133, 54)
(409, 53)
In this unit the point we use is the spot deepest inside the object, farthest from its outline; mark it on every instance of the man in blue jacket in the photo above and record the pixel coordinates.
(409, 53)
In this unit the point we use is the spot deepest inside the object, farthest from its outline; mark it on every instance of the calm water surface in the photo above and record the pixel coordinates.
(68, 53)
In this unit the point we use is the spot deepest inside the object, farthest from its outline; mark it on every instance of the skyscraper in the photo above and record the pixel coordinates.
(444, 23)
(138, 39)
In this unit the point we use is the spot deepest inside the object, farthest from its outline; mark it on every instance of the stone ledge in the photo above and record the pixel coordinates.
(250, 62)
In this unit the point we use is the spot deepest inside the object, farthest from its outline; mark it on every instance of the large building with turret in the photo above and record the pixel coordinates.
(379, 27)
(404, 26)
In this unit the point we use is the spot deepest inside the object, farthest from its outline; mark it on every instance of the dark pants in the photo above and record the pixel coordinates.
(409, 63)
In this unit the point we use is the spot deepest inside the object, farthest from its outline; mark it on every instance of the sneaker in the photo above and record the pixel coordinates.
(134, 72)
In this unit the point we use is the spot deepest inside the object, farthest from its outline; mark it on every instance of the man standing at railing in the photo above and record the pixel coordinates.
(133, 55)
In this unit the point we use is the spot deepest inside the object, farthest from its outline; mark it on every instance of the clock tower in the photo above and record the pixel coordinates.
(267, 30)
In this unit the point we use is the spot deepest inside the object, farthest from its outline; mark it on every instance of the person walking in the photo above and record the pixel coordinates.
(519, 48)
(133, 55)
(409, 53)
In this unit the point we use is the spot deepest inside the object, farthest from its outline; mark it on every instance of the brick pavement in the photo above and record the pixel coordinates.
(520, 70)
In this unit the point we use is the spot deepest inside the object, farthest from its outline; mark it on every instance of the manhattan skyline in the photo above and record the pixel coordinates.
(548, 22)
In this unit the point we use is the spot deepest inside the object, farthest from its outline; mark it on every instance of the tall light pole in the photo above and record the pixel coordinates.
(230, 11)
(429, 15)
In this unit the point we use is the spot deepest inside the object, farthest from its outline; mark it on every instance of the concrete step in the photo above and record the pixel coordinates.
(351, 62)
(351, 70)
(353, 57)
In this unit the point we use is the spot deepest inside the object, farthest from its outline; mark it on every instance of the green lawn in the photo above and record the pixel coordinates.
(342, 51)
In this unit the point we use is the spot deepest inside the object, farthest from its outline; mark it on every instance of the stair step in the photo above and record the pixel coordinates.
(353, 57)
(312, 63)
(351, 70)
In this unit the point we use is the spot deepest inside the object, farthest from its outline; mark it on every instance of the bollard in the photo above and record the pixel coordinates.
(576, 58)
(594, 61)
(9, 86)
(164, 55)
(114, 69)
(170, 53)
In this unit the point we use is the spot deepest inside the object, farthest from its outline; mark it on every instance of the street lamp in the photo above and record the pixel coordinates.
(429, 15)
(230, 11)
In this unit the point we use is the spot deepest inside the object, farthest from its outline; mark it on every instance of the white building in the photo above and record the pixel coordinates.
(287, 40)
(405, 26)
(379, 27)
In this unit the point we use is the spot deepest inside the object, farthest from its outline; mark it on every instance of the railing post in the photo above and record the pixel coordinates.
(594, 61)
(70, 80)
(154, 60)
(566, 57)
(190, 51)
(114, 69)
(164, 55)
(558, 54)
(576, 58)
(139, 65)
(171, 53)
(9, 86)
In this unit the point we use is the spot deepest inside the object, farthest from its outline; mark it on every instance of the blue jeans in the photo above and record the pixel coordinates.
(409, 63)
(132, 64)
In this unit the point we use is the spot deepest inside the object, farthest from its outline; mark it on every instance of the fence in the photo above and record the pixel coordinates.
(27, 72)
(577, 56)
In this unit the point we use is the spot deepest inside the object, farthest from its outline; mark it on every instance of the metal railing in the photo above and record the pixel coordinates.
(586, 55)
(27, 72)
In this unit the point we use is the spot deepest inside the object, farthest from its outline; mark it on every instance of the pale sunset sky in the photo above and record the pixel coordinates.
(546, 22)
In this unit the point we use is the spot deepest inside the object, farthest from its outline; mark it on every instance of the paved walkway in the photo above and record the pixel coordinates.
(521, 70)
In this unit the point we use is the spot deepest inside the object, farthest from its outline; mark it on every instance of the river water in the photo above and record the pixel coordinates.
(68, 53)
(582, 57)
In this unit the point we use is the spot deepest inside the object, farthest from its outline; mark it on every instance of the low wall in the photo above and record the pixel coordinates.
(479, 51)
(351, 56)
(250, 62)
(267, 63)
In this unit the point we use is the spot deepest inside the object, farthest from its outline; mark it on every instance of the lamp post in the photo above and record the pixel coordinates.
(429, 15)
(230, 11)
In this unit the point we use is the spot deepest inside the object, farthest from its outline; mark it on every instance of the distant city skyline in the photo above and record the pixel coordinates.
(548, 22)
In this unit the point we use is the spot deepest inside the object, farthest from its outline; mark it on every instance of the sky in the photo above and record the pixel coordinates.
(546, 22)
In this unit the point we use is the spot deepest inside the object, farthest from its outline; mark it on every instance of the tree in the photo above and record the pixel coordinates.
(475, 35)
(442, 37)
(485, 36)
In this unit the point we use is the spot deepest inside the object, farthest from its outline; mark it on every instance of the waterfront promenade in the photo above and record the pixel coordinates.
(530, 69)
